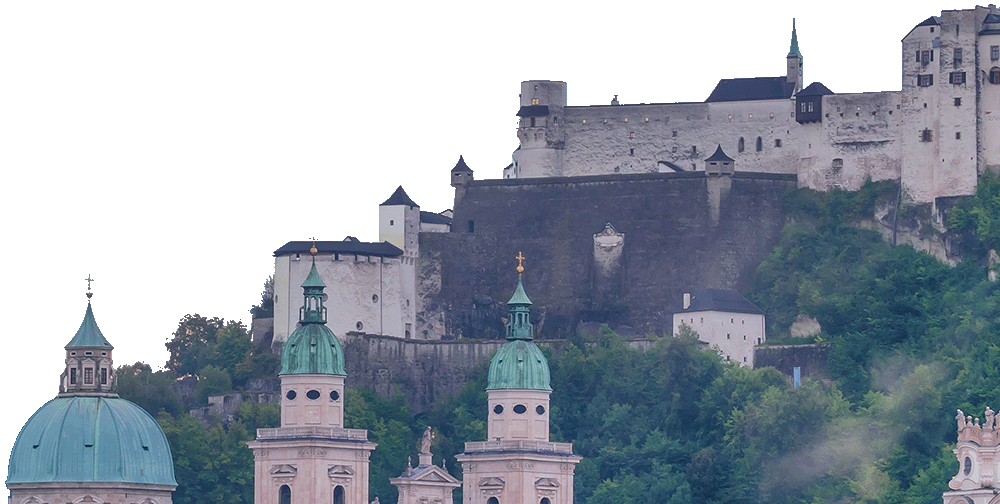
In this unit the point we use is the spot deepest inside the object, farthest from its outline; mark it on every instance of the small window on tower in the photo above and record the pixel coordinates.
(104, 376)
(534, 101)
(957, 59)
(995, 52)
(926, 135)
(958, 135)
(88, 376)
(72, 376)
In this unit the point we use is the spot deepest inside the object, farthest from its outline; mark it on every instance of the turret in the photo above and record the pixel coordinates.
(461, 174)
(539, 130)
(89, 368)
(793, 61)
(399, 222)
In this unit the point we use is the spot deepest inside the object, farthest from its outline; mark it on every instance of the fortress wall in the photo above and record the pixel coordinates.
(682, 133)
(672, 245)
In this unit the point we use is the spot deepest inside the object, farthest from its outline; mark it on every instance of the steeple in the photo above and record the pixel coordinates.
(793, 50)
(89, 368)
(313, 311)
(519, 326)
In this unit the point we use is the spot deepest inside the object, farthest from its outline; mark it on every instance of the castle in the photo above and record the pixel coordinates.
(936, 135)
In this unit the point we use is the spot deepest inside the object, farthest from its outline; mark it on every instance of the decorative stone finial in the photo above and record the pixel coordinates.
(520, 267)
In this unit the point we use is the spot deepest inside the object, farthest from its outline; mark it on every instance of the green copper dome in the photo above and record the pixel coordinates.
(312, 349)
(519, 365)
(91, 440)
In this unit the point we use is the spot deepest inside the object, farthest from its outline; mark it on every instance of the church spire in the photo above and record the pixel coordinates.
(89, 369)
(793, 49)
(519, 326)
(313, 311)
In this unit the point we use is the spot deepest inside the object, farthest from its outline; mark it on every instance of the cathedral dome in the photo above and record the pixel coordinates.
(312, 349)
(87, 439)
(519, 364)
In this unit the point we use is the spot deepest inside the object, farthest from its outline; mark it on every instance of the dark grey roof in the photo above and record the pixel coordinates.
(719, 155)
(348, 246)
(815, 89)
(753, 88)
(533, 111)
(672, 166)
(992, 18)
(399, 198)
(931, 21)
(434, 218)
(722, 300)
(460, 166)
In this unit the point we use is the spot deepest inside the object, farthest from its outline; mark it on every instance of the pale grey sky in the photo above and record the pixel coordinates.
(167, 148)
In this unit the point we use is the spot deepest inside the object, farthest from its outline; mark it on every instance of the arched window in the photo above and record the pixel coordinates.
(760, 144)
(545, 500)
(739, 145)
(995, 75)
(284, 495)
(493, 500)
(338, 495)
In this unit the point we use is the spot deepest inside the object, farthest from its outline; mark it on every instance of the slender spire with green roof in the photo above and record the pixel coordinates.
(89, 335)
(793, 50)
(313, 311)
(312, 348)
(519, 326)
(519, 363)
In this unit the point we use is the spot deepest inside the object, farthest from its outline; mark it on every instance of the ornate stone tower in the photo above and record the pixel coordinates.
(793, 62)
(426, 483)
(518, 464)
(87, 444)
(311, 458)
(977, 450)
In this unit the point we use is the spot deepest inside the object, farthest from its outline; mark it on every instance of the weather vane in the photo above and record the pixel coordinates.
(520, 267)
(88, 279)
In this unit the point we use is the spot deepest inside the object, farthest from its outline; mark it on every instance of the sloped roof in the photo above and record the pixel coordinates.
(434, 218)
(399, 197)
(815, 89)
(383, 249)
(719, 155)
(533, 111)
(722, 300)
(931, 21)
(753, 88)
(89, 335)
(460, 166)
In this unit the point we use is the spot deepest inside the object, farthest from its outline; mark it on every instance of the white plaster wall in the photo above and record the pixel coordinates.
(733, 334)
(392, 225)
(324, 411)
(366, 289)
(989, 105)
(862, 130)
(508, 425)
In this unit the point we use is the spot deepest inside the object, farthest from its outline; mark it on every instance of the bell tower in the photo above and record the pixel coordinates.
(517, 463)
(793, 63)
(311, 457)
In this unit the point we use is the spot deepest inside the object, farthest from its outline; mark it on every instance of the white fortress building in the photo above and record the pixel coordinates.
(937, 134)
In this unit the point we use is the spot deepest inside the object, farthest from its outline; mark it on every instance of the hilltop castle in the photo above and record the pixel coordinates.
(936, 135)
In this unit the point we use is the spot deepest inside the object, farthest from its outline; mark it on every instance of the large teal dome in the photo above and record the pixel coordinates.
(312, 349)
(91, 440)
(519, 364)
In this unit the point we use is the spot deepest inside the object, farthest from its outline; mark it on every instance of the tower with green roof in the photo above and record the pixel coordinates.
(794, 62)
(517, 463)
(311, 457)
(87, 444)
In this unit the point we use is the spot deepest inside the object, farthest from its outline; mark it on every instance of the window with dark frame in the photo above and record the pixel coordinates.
(926, 135)
(88, 376)
(956, 78)
(995, 52)
(957, 59)
(925, 80)
(995, 75)
(958, 102)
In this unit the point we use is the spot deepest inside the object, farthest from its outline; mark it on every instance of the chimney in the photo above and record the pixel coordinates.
(687, 300)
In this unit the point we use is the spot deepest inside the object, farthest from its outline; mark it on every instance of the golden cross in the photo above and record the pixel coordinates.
(520, 268)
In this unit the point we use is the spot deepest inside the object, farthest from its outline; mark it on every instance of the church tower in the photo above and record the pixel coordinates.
(518, 464)
(793, 61)
(311, 458)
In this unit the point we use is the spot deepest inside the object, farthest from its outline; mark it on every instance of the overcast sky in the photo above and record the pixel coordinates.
(169, 148)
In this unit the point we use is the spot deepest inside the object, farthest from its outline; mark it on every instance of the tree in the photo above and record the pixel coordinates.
(192, 342)
(266, 307)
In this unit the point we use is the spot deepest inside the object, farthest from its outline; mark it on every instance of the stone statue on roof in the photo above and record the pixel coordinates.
(425, 441)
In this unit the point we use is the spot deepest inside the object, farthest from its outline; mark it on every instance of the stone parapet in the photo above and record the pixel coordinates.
(312, 433)
(519, 446)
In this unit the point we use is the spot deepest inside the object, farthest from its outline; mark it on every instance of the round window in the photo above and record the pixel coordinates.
(290, 395)
(359, 326)
(540, 409)
(968, 466)
(374, 298)
(519, 409)
(334, 395)
(313, 394)
(498, 409)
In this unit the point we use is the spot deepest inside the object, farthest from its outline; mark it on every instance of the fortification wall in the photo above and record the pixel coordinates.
(676, 239)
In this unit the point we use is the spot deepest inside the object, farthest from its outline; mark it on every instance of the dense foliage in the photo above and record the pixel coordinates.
(912, 340)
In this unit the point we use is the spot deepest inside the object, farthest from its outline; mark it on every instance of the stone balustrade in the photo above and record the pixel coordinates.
(313, 432)
(519, 445)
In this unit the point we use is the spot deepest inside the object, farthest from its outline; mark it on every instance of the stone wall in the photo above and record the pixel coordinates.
(676, 240)
(812, 359)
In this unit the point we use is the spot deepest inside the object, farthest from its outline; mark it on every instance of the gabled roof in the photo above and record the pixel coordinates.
(815, 89)
(753, 88)
(719, 155)
(533, 111)
(434, 218)
(460, 166)
(723, 301)
(399, 197)
(383, 249)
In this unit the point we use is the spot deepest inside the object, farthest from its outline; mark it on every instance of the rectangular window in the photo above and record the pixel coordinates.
(958, 56)
(956, 78)
(777, 142)
(802, 107)
(88, 376)
(958, 135)
(926, 136)
(810, 106)
(925, 57)
(918, 56)
(995, 52)
(104, 376)
(72, 376)
(958, 102)
(924, 80)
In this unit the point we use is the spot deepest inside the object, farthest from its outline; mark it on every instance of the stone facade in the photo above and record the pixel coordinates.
(937, 134)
